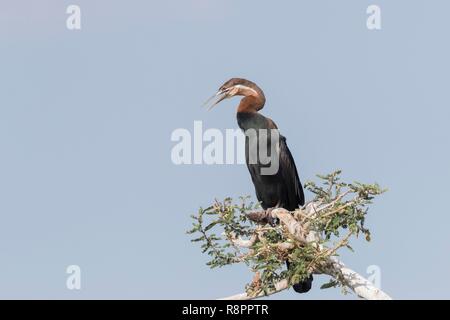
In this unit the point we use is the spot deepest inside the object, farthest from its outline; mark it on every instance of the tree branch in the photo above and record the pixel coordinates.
(353, 280)
(357, 283)
(279, 286)
(335, 268)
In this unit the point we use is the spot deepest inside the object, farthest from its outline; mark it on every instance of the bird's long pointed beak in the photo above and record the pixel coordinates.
(220, 95)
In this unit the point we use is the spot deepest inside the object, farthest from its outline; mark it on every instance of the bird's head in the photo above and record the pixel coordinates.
(236, 87)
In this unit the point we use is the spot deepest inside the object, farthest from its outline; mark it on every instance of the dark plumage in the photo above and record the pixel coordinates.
(283, 189)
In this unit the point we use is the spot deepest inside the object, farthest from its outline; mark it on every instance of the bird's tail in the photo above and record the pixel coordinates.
(304, 286)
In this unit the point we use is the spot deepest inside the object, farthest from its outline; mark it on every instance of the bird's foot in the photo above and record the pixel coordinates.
(270, 219)
(263, 216)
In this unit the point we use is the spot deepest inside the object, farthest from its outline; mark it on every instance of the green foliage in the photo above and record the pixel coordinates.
(342, 213)
(338, 207)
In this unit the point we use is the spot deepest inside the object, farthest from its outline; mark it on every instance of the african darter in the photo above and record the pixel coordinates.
(283, 188)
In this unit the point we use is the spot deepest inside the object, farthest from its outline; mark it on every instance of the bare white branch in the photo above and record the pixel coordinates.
(279, 286)
(336, 269)
(357, 283)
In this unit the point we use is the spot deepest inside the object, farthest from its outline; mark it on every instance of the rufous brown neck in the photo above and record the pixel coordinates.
(251, 104)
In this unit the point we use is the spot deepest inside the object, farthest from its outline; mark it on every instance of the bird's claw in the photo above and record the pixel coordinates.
(270, 219)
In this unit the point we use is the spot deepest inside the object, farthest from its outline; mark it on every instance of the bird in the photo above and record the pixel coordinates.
(282, 189)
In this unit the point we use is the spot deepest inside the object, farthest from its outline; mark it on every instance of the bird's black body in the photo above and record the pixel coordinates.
(282, 189)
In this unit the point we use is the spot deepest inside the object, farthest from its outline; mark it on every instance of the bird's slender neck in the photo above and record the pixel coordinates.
(252, 102)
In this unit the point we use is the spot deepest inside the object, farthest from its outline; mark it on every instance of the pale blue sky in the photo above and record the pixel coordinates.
(86, 117)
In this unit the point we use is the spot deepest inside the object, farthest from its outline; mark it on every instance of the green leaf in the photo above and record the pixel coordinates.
(331, 284)
(209, 226)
